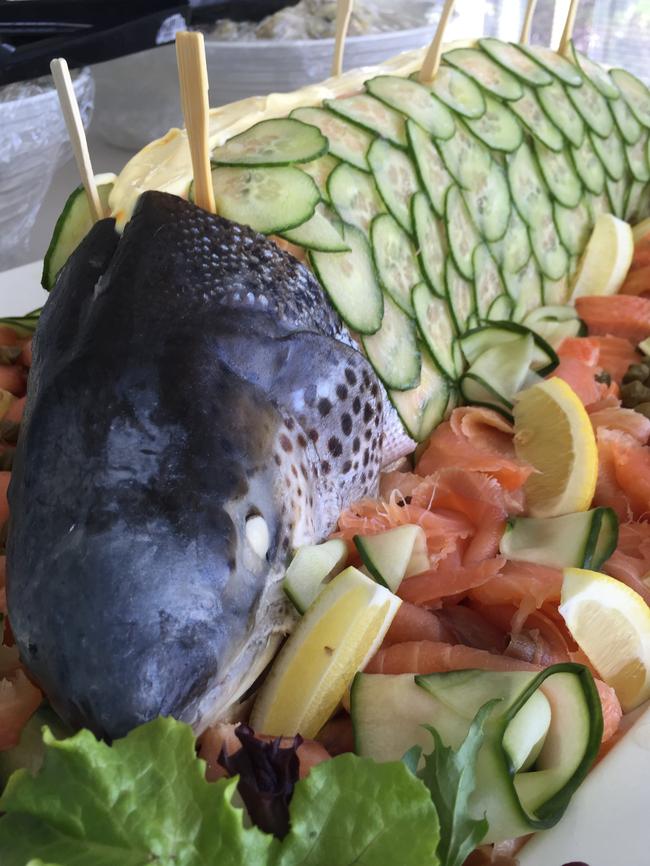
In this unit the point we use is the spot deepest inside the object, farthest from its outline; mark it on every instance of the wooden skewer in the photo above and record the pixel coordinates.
(528, 22)
(568, 28)
(72, 117)
(432, 57)
(343, 14)
(193, 77)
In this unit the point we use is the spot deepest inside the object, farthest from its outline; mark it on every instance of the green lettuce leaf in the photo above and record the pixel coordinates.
(353, 810)
(450, 776)
(144, 802)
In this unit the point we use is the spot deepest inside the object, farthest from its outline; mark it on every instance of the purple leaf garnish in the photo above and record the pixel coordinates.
(267, 772)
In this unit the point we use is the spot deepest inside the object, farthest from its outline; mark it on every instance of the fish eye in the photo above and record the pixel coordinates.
(257, 534)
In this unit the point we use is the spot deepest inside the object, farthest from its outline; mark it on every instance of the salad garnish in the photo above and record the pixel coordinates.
(450, 776)
(144, 800)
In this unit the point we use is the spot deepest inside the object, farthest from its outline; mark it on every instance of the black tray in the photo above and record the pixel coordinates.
(32, 32)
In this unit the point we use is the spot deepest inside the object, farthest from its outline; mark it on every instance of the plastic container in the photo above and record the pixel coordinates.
(137, 97)
(33, 144)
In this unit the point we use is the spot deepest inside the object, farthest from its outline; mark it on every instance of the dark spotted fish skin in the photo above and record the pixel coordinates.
(185, 378)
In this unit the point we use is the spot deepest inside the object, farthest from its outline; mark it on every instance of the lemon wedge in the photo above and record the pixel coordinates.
(606, 259)
(554, 434)
(335, 638)
(611, 624)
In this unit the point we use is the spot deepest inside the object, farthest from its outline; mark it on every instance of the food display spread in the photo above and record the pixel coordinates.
(352, 476)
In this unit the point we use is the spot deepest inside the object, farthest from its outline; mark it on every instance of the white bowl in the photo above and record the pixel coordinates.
(137, 96)
(33, 144)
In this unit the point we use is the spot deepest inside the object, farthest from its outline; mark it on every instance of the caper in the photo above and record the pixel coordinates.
(634, 393)
(637, 373)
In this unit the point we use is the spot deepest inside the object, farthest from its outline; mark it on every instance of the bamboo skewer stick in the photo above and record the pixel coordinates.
(72, 118)
(528, 22)
(432, 58)
(343, 14)
(568, 28)
(193, 78)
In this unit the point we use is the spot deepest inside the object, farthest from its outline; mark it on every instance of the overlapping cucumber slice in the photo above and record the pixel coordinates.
(71, 228)
(585, 539)
(480, 189)
(542, 734)
(503, 358)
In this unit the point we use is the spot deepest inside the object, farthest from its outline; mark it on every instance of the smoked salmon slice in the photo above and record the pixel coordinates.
(448, 579)
(472, 628)
(627, 421)
(443, 529)
(619, 315)
(524, 585)
(615, 354)
(416, 623)
(579, 367)
(630, 562)
(623, 474)
(476, 439)
(427, 657)
(477, 496)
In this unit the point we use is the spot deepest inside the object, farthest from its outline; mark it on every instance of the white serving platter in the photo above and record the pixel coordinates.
(608, 821)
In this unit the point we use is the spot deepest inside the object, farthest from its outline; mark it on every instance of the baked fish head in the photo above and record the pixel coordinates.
(195, 411)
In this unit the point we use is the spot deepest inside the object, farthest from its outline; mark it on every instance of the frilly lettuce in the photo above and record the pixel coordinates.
(145, 801)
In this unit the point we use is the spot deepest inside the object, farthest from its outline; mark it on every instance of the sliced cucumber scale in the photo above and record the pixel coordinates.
(354, 196)
(538, 123)
(415, 101)
(497, 127)
(582, 540)
(269, 200)
(431, 243)
(272, 142)
(71, 228)
(461, 231)
(635, 93)
(596, 74)
(458, 92)
(321, 232)
(396, 179)
(554, 63)
(593, 107)
(372, 114)
(437, 329)
(393, 350)
(560, 109)
(434, 176)
(422, 408)
(485, 71)
(350, 280)
(346, 141)
(395, 259)
(511, 58)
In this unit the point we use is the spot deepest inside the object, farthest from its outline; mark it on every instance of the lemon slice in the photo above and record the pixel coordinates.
(341, 630)
(554, 434)
(611, 624)
(606, 259)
